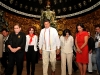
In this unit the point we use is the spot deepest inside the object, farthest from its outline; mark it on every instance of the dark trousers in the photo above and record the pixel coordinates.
(4, 60)
(37, 57)
(30, 60)
(74, 66)
(15, 58)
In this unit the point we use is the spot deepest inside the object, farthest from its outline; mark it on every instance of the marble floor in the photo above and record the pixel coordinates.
(38, 70)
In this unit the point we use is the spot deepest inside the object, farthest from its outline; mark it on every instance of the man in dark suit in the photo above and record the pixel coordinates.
(4, 58)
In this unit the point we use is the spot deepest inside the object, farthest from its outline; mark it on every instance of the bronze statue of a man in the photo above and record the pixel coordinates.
(48, 14)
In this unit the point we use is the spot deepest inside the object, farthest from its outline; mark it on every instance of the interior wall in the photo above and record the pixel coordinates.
(88, 20)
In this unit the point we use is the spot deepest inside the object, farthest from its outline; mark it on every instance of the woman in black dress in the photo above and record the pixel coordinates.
(16, 45)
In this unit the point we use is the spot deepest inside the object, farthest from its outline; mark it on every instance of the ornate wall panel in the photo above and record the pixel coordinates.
(89, 21)
(24, 22)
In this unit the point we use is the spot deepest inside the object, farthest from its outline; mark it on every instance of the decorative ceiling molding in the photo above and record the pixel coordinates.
(80, 12)
(61, 16)
(19, 12)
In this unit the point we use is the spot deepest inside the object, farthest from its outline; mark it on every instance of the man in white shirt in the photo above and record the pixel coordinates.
(49, 45)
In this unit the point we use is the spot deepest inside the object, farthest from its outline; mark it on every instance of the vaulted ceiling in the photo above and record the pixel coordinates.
(62, 8)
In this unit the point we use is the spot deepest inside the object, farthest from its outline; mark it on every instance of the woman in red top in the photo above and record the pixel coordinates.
(81, 41)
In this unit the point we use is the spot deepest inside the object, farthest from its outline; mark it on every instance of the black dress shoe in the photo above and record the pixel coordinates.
(75, 70)
(90, 72)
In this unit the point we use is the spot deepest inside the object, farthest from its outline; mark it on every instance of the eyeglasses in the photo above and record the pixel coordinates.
(31, 30)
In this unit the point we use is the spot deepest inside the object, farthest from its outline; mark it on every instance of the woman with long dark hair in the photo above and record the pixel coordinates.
(81, 42)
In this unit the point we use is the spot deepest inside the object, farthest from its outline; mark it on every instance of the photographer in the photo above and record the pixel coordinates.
(97, 46)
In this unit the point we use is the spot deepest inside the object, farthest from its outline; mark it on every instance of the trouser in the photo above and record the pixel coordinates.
(17, 57)
(90, 63)
(37, 57)
(48, 56)
(65, 56)
(98, 59)
(94, 61)
(0, 66)
(4, 60)
(30, 60)
(74, 66)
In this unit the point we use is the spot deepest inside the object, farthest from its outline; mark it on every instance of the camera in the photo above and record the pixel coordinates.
(96, 40)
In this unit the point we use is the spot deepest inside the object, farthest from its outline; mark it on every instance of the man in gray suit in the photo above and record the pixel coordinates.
(1, 45)
(1, 49)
